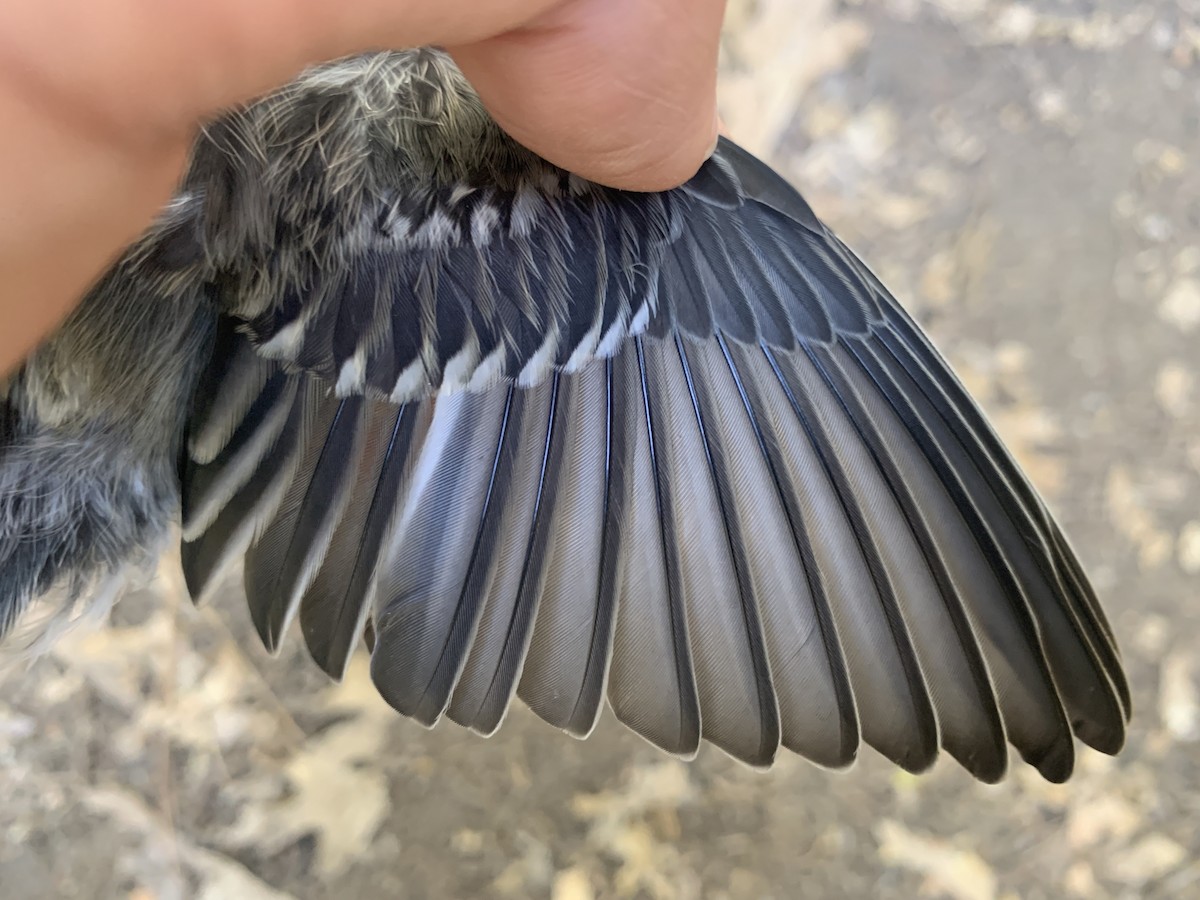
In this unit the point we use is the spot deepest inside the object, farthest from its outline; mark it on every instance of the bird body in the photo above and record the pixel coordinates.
(540, 438)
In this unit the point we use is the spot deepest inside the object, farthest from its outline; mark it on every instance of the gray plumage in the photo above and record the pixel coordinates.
(539, 438)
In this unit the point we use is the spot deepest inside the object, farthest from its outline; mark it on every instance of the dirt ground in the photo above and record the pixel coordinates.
(1026, 177)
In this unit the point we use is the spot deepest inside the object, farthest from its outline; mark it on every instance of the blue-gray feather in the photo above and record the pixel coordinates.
(547, 439)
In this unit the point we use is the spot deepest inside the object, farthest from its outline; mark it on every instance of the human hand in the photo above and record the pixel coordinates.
(101, 101)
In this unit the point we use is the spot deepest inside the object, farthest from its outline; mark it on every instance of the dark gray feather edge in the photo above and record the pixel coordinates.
(490, 712)
(234, 527)
(282, 563)
(755, 644)
(435, 697)
(1073, 648)
(683, 738)
(848, 724)
(920, 752)
(1046, 538)
(578, 716)
(335, 607)
(1054, 547)
(1057, 759)
(984, 756)
(496, 577)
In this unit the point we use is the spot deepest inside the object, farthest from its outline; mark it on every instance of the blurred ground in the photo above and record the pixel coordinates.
(1026, 178)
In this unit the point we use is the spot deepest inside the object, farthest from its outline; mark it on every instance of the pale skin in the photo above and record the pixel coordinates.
(100, 100)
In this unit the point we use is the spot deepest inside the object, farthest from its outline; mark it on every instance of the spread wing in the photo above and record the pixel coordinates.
(682, 451)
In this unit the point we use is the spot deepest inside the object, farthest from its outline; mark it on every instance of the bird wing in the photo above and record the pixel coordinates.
(681, 450)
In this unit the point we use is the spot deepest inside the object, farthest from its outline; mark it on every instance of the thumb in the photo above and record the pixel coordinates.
(619, 91)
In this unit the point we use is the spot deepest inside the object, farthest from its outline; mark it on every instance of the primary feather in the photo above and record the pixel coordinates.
(545, 439)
